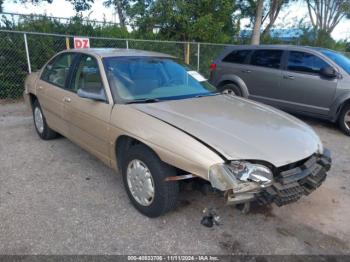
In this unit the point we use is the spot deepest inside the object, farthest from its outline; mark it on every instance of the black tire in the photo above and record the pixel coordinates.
(342, 120)
(46, 133)
(231, 88)
(165, 192)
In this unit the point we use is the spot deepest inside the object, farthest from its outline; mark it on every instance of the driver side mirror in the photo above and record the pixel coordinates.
(97, 95)
(328, 72)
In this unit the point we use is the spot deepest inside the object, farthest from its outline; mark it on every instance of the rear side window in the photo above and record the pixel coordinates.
(237, 56)
(56, 72)
(305, 63)
(267, 58)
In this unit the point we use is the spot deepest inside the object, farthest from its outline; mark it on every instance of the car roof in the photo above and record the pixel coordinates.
(283, 47)
(113, 52)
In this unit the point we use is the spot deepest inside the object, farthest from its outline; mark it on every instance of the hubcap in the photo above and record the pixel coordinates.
(347, 120)
(38, 120)
(229, 92)
(140, 182)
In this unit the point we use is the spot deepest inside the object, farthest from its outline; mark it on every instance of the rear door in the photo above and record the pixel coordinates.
(235, 63)
(52, 91)
(265, 74)
(89, 119)
(303, 88)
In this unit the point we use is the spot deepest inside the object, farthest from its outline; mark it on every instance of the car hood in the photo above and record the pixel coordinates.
(238, 128)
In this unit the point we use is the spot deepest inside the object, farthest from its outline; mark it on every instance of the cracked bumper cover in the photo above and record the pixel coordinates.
(290, 182)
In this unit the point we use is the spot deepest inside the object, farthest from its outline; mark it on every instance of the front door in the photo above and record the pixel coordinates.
(89, 119)
(303, 88)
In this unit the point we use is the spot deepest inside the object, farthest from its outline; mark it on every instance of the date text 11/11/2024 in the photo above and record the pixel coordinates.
(173, 258)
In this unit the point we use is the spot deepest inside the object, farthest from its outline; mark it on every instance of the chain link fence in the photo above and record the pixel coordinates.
(13, 65)
(23, 52)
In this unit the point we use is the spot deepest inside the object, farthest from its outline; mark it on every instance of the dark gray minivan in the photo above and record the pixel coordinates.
(303, 80)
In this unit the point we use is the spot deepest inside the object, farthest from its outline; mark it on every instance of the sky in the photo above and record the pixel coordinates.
(62, 8)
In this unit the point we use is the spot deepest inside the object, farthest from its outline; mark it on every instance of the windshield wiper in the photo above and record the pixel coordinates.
(143, 100)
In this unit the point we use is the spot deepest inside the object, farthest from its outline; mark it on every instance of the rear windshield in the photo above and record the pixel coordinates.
(141, 78)
(339, 59)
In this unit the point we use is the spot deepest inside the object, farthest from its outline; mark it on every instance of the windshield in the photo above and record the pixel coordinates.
(149, 79)
(339, 59)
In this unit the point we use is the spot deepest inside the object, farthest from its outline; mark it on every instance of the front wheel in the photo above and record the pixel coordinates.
(144, 177)
(41, 127)
(344, 120)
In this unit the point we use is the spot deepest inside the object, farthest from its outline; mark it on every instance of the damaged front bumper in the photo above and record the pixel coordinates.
(289, 183)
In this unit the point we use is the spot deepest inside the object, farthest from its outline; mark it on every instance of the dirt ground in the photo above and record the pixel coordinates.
(56, 198)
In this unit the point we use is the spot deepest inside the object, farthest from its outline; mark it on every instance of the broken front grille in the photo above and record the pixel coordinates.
(303, 178)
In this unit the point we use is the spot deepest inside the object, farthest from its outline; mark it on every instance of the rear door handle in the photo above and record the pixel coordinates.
(246, 71)
(66, 99)
(40, 87)
(289, 77)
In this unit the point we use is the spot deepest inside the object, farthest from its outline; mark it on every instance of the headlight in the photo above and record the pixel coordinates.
(240, 176)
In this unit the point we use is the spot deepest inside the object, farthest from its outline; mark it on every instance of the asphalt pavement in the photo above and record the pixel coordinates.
(55, 198)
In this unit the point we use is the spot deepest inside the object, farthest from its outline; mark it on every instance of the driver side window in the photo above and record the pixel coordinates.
(87, 76)
(305, 63)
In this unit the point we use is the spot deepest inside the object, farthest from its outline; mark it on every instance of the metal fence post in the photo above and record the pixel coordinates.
(27, 53)
(198, 55)
(187, 53)
(127, 44)
(67, 43)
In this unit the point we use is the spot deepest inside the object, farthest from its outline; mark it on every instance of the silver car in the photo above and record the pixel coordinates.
(302, 80)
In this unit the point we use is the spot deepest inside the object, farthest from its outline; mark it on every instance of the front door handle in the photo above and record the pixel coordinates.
(289, 77)
(40, 87)
(66, 99)
(246, 71)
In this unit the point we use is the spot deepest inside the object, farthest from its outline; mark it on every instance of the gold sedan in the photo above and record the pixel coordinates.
(158, 123)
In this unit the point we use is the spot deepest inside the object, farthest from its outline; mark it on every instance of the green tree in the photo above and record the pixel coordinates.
(185, 20)
(121, 7)
(79, 5)
(140, 14)
(262, 15)
(325, 15)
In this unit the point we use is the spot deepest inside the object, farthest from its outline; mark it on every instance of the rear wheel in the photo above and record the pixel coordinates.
(144, 177)
(230, 89)
(344, 119)
(41, 127)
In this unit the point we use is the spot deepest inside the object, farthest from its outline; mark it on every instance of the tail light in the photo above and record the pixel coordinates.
(212, 67)
(211, 70)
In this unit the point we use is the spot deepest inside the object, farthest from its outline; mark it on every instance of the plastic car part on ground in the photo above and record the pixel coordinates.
(210, 218)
